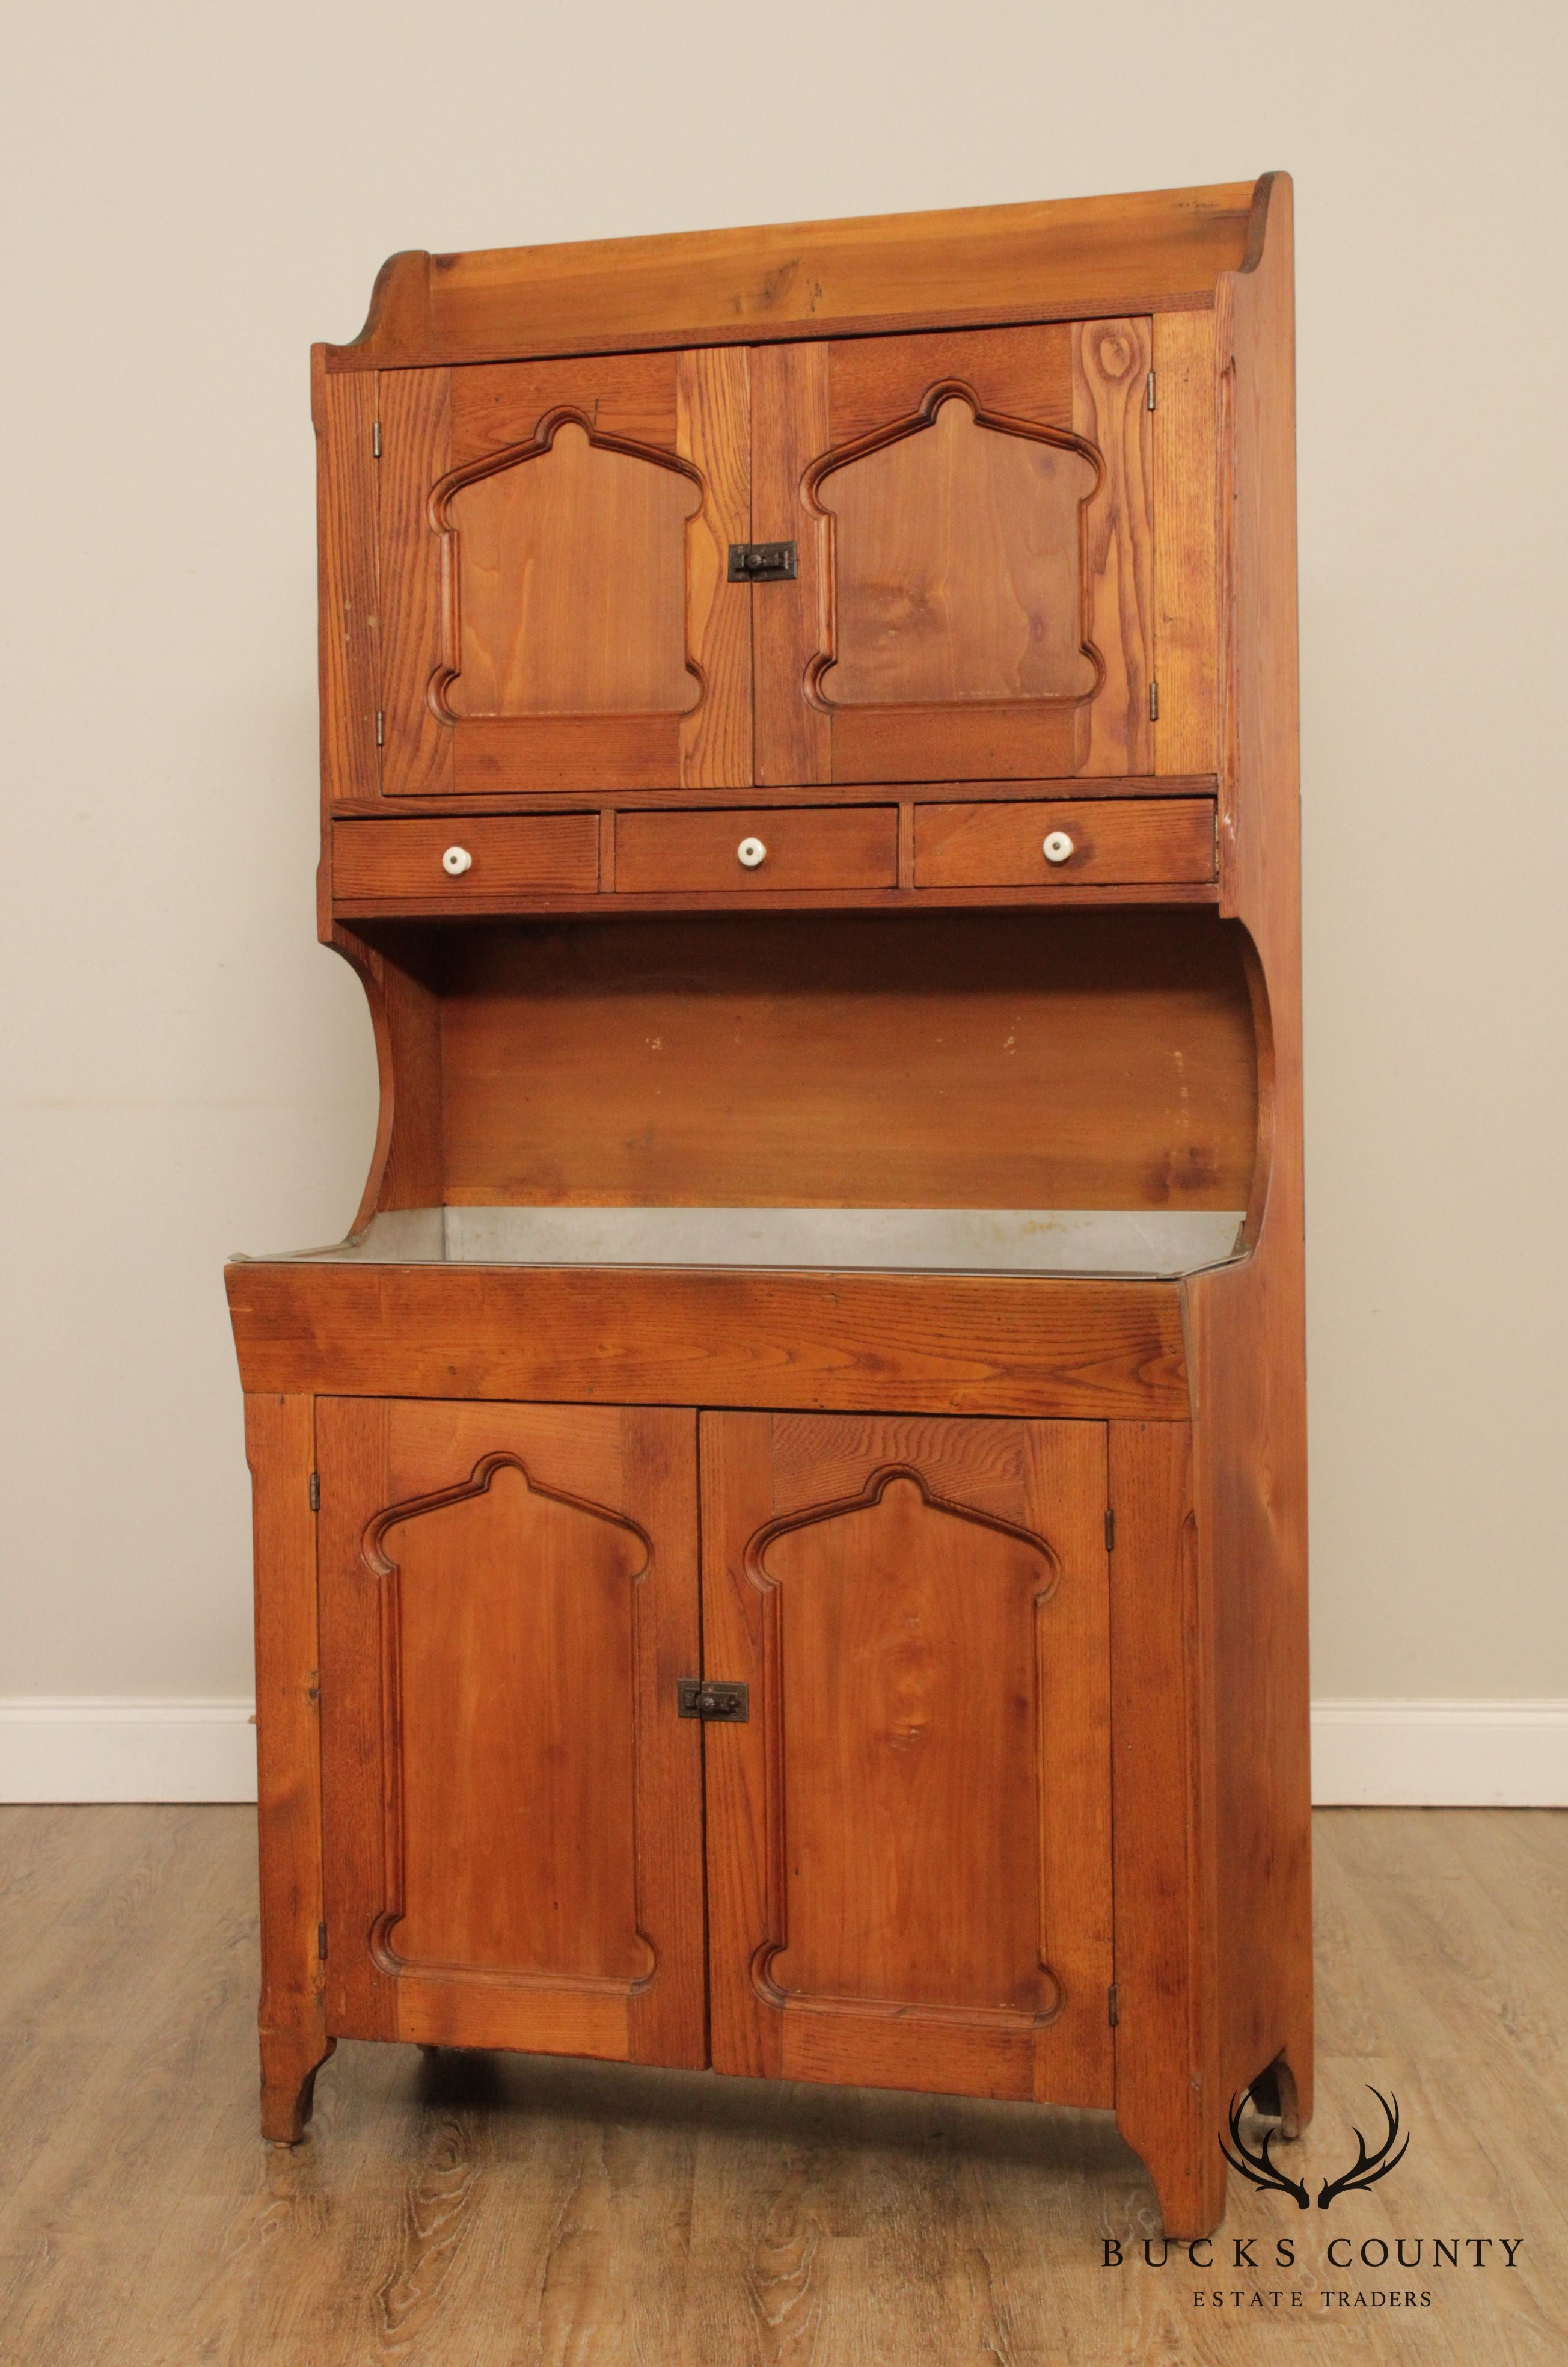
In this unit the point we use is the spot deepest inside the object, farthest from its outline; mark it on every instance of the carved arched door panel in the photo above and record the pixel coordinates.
(973, 513)
(568, 578)
(512, 1804)
(553, 543)
(909, 1843)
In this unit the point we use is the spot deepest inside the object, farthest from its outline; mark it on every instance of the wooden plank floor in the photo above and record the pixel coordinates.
(489, 2212)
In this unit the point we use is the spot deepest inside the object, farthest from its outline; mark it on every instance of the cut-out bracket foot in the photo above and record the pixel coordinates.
(289, 2064)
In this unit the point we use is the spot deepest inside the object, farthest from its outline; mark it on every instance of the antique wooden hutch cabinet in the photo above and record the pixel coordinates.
(779, 1534)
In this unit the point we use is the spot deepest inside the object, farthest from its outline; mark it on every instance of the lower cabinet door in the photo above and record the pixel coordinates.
(513, 1805)
(908, 1840)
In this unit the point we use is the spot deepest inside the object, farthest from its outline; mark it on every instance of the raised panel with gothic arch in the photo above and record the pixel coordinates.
(567, 574)
(958, 572)
(551, 544)
(974, 600)
(908, 1637)
(515, 1779)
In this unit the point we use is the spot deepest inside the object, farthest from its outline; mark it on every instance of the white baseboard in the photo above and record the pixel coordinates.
(110, 1747)
(1434, 1754)
(1441, 1754)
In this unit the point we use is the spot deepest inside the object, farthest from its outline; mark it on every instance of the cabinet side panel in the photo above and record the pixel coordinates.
(280, 1446)
(1186, 617)
(1168, 2102)
(1245, 1329)
(406, 1164)
(714, 431)
(344, 412)
(1247, 1323)
(416, 449)
(414, 1172)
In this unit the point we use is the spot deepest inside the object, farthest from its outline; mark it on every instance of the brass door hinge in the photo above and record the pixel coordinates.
(381, 727)
(1154, 702)
(376, 440)
(1109, 1530)
(322, 1942)
(315, 1491)
(1151, 390)
(1113, 2001)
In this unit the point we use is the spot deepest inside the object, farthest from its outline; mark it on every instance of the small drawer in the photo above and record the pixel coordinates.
(1103, 842)
(465, 863)
(783, 846)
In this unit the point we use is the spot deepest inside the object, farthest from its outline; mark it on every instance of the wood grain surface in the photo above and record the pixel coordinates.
(1122, 784)
(1032, 261)
(570, 584)
(1247, 1325)
(280, 1445)
(1169, 2102)
(956, 564)
(416, 453)
(385, 865)
(990, 1060)
(1186, 494)
(845, 846)
(496, 2209)
(512, 1805)
(974, 518)
(630, 399)
(1022, 373)
(344, 412)
(790, 423)
(714, 434)
(919, 1610)
(556, 549)
(1111, 368)
(973, 846)
(940, 1343)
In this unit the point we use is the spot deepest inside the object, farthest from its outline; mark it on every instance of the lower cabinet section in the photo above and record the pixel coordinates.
(908, 1865)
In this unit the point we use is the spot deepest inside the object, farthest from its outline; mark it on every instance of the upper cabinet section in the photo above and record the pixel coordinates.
(1000, 446)
(973, 516)
(975, 524)
(553, 539)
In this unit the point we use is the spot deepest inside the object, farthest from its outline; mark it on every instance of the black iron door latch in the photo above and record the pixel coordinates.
(717, 1704)
(763, 562)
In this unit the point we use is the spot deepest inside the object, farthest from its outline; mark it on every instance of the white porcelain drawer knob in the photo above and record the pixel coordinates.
(1057, 846)
(456, 861)
(752, 851)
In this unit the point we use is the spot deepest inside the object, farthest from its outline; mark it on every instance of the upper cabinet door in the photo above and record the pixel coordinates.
(973, 517)
(553, 544)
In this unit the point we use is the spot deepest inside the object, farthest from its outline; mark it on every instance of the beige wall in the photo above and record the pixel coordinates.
(201, 190)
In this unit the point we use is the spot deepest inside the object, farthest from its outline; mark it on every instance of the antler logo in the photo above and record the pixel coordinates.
(1364, 2171)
